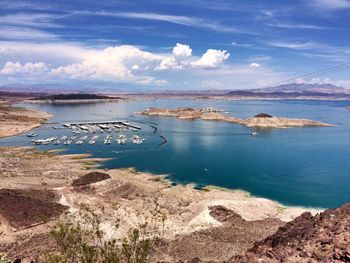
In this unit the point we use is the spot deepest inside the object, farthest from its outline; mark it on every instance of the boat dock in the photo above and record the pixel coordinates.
(101, 124)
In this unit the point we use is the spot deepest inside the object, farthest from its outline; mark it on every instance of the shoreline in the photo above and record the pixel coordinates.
(189, 212)
(87, 156)
(18, 120)
(73, 101)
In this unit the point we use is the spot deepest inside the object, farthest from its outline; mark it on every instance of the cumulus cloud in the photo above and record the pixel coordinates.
(213, 58)
(169, 63)
(113, 63)
(181, 51)
(18, 68)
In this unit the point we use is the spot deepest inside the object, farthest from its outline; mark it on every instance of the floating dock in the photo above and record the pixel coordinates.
(101, 124)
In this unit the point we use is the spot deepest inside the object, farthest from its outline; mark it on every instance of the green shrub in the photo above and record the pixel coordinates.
(83, 240)
(3, 259)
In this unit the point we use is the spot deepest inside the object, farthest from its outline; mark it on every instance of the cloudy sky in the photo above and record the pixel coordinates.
(172, 45)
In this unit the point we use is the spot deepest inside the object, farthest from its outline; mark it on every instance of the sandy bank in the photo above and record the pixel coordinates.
(14, 121)
(217, 115)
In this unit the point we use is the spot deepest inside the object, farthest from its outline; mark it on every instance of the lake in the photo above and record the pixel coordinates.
(307, 166)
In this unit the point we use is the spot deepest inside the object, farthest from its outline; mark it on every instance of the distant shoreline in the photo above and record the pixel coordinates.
(72, 101)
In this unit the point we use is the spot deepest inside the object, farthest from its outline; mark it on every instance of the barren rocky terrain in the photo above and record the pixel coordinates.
(216, 115)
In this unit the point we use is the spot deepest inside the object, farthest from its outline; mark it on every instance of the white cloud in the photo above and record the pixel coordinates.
(113, 63)
(331, 4)
(11, 68)
(174, 19)
(299, 81)
(23, 33)
(169, 63)
(181, 51)
(179, 59)
(234, 43)
(135, 67)
(297, 26)
(30, 20)
(297, 46)
(254, 65)
(320, 80)
(213, 58)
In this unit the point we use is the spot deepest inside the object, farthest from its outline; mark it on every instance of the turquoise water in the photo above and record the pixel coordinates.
(297, 166)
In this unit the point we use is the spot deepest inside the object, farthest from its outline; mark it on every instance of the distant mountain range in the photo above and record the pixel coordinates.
(285, 91)
(318, 88)
(295, 90)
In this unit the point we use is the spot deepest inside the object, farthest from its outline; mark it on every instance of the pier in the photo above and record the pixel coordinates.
(101, 124)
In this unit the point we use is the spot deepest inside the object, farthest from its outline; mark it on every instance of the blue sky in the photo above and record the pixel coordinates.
(171, 45)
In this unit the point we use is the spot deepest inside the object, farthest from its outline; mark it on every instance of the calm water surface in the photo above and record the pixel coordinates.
(297, 166)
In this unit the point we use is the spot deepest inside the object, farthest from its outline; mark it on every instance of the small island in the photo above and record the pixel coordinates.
(261, 120)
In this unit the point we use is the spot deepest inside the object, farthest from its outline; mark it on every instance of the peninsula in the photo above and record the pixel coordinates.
(262, 120)
(15, 120)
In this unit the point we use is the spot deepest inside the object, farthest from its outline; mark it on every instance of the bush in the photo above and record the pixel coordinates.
(83, 240)
(3, 259)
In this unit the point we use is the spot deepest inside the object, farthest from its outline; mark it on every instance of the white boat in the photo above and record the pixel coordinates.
(136, 139)
(121, 141)
(46, 141)
(254, 133)
(121, 136)
(79, 142)
(108, 139)
(67, 142)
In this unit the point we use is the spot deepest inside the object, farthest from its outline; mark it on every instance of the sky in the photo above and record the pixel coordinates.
(172, 45)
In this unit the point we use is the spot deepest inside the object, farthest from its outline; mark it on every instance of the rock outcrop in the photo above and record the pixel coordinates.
(324, 237)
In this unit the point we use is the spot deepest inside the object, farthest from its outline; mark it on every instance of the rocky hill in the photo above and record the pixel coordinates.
(321, 238)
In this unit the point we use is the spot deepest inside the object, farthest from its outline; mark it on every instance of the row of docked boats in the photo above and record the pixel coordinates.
(65, 140)
(101, 128)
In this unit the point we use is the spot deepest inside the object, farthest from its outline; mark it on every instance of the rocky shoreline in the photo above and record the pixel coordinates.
(192, 215)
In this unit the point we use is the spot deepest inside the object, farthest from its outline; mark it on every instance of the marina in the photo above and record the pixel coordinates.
(78, 128)
(233, 150)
